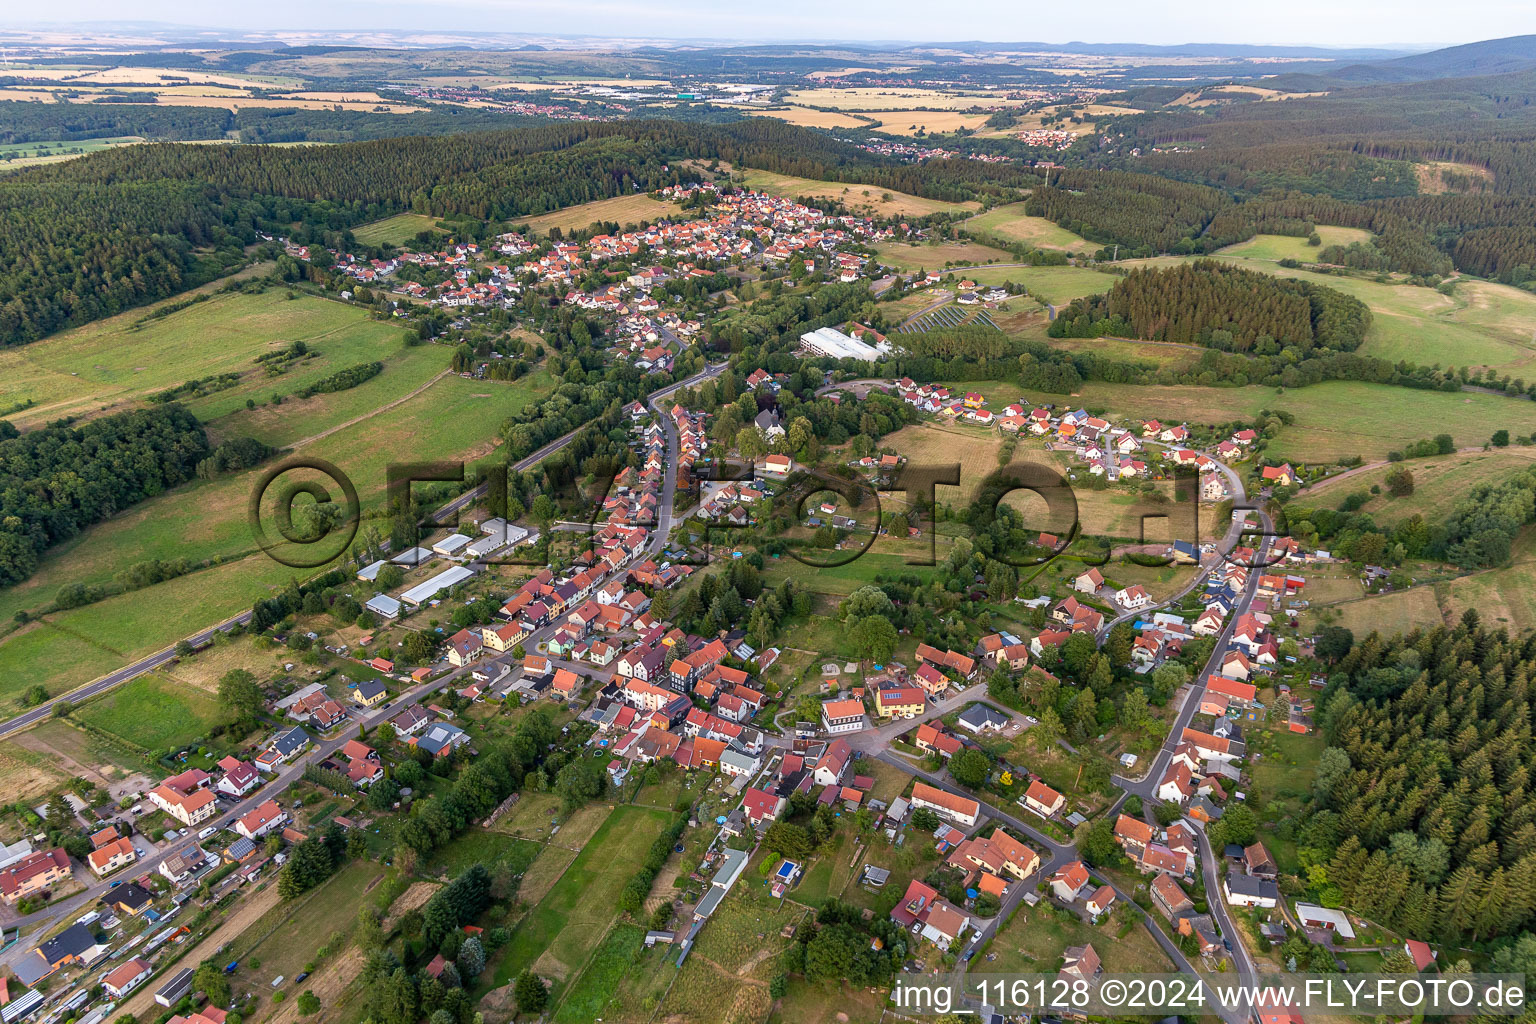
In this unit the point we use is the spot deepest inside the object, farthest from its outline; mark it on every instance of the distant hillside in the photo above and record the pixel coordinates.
(1489, 57)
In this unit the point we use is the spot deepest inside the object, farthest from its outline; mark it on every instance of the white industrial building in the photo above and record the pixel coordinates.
(450, 545)
(829, 341)
(424, 592)
(383, 605)
(414, 556)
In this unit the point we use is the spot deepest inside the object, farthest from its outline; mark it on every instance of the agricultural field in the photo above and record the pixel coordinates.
(808, 118)
(1055, 285)
(1439, 483)
(856, 197)
(929, 122)
(396, 230)
(1332, 420)
(1294, 247)
(622, 210)
(1503, 597)
(1387, 613)
(935, 256)
(1163, 353)
(974, 448)
(207, 519)
(121, 360)
(152, 713)
(561, 931)
(1011, 224)
(1480, 324)
(873, 99)
(41, 654)
(30, 154)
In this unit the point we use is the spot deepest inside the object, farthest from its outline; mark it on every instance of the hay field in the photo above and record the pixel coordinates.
(1012, 224)
(1279, 247)
(805, 117)
(1439, 483)
(855, 196)
(624, 210)
(113, 362)
(396, 230)
(933, 122)
(873, 98)
(927, 256)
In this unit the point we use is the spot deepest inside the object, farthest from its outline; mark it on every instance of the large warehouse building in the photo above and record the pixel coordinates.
(829, 341)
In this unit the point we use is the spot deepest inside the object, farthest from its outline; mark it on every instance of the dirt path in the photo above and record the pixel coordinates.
(370, 414)
(1328, 482)
(247, 913)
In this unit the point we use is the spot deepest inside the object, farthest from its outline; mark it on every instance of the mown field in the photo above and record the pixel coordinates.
(561, 932)
(153, 713)
(623, 210)
(1012, 224)
(396, 230)
(1281, 247)
(1439, 483)
(856, 197)
(808, 118)
(112, 362)
(453, 418)
(933, 256)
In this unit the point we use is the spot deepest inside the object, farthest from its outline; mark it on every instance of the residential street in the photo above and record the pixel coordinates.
(150, 662)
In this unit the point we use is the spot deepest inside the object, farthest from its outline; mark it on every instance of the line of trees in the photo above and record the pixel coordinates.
(57, 480)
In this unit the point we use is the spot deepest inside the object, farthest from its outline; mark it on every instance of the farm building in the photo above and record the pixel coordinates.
(384, 606)
(424, 592)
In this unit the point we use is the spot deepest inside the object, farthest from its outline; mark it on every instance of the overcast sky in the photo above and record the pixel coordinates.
(1422, 23)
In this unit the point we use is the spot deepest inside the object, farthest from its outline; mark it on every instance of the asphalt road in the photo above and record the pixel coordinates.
(153, 661)
(324, 748)
(230, 811)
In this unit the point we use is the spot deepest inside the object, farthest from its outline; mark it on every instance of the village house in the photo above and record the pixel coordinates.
(265, 818)
(959, 809)
(110, 855)
(900, 701)
(186, 797)
(239, 778)
(126, 977)
(1069, 881)
(840, 716)
(1169, 897)
(1133, 834)
(1043, 800)
(34, 874)
(931, 738)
